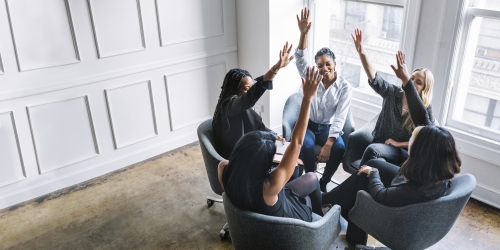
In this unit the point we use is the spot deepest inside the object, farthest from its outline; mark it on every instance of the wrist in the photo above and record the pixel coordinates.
(275, 68)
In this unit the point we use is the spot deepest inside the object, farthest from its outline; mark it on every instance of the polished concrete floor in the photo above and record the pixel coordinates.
(161, 204)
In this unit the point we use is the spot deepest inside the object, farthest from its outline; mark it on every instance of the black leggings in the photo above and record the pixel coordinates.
(308, 185)
(345, 196)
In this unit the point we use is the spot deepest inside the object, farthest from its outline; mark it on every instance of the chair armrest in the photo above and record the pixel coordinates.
(358, 141)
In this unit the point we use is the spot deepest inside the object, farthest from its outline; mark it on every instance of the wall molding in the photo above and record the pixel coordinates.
(1, 65)
(486, 194)
(115, 74)
(92, 128)
(172, 128)
(115, 141)
(18, 144)
(93, 171)
(33, 67)
(96, 39)
(163, 44)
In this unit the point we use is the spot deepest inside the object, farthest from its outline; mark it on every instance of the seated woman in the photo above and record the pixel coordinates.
(425, 175)
(328, 109)
(395, 124)
(252, 184)
(234, 116)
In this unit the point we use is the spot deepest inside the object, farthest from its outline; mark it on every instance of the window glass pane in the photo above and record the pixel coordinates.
(479, 82)
(487, 4)
(382, 31)
(495, 123)
(351, 74)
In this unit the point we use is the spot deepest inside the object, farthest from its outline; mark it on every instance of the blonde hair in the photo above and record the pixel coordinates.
(425, 96)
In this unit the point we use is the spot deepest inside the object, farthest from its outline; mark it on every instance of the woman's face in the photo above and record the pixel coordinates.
(418, 78)
(413, 137)
(246, 84)
(326, 66)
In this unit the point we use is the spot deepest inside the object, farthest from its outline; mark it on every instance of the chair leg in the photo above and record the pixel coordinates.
(224, 232)
(211, 200)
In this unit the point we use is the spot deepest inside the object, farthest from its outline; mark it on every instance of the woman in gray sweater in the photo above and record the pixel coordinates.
(395, 124)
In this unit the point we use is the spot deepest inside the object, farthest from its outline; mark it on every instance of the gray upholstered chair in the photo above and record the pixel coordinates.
(211, 159)
(416, 226)
(291, 113)
(358, 142)
(251, 230)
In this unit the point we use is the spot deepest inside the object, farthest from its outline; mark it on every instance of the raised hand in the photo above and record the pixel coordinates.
(284, 56)
(401, 71)
(311, 83)
(303, 23)
(358, 40)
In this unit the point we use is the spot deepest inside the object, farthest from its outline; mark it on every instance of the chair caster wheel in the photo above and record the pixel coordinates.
(210, 202)
(223, 234)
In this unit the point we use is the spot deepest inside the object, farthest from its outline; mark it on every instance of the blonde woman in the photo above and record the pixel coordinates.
(395, 124)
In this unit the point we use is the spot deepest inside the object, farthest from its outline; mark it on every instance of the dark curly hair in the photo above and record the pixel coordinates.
(324, 51)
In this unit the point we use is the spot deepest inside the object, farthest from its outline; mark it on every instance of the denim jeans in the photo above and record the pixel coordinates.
(318, 134)
(385, 152)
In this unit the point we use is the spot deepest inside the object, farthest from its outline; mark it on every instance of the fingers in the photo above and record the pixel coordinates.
(302, 13)
(298, 20)
(308, 12)
(394, 68)
(303, 81)
(319, 79)
(289, 49)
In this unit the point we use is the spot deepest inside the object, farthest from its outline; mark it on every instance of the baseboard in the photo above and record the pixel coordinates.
(487, 195)
(91, 172)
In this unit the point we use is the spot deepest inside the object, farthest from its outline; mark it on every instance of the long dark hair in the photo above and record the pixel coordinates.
(433, 156)
(230, 87)
(249, 165)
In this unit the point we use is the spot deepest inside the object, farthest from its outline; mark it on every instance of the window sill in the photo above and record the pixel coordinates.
(476, 146)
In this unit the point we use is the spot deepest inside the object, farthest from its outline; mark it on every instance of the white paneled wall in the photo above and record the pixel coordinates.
(91, 86)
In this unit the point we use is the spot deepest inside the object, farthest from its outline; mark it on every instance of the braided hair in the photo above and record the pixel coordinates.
(230, 87)
(324, 51)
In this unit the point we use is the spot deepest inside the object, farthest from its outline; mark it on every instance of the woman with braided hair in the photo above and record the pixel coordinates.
(234, 116)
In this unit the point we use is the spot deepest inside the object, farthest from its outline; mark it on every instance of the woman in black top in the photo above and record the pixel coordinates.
(252, 184)
(425, 175)
(395, 124)
(233, 116)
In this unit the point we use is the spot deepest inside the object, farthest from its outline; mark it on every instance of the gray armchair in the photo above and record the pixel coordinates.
(291, 113)
(211, 159)
(358, 141)
(416, 226)
(251, 230)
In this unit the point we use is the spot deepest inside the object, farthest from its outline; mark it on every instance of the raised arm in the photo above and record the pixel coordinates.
(239, 104)
(280, 175)
(367, 66)
(304, 27)
(418, 112)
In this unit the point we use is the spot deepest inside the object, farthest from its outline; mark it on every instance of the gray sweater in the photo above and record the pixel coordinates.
(390, 121)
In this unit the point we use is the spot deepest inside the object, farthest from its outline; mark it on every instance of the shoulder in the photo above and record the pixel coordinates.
(343, 84)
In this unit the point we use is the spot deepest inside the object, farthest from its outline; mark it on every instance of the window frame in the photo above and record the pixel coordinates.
(365, 105)
(465, 19)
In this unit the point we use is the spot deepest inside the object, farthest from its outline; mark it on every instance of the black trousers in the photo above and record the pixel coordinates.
(345, 196)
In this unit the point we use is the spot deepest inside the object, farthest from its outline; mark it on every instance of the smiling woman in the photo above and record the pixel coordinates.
(234, 116)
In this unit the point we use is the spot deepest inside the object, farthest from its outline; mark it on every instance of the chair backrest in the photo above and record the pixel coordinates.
(291, 113)
(249, 230)
(210, 156)
(416, 226)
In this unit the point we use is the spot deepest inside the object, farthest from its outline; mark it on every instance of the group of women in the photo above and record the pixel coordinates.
(410, 160)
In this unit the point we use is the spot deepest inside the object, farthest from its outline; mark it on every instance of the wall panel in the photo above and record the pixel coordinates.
(117, 26)
(193, 94)
(43, 33)
(11, 163)
(205, 20)
(131, 113)
(63, 133)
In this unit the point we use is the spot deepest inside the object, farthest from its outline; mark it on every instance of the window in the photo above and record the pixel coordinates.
(382, 25)
(475, 103)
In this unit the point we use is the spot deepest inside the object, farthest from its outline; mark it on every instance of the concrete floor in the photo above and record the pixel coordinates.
(161, 204)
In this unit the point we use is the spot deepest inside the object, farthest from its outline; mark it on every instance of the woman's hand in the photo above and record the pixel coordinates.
(303, 23)
(324, 154)
(401, 71)
(284, 57)
(281, 139)
(311, 83)
(392, 142)
(357, 38)
(364, 169)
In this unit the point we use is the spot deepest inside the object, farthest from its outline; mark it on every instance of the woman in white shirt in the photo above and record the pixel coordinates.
(328, 109)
